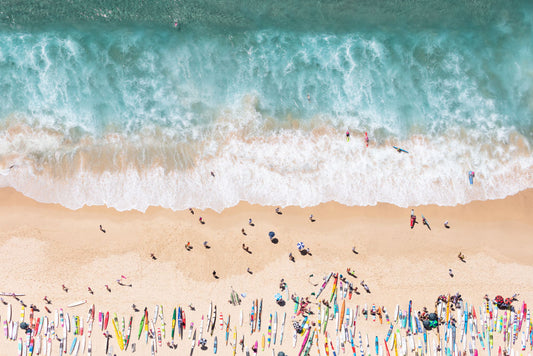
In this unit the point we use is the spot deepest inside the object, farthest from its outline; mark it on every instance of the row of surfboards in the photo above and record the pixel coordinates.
(508, 324)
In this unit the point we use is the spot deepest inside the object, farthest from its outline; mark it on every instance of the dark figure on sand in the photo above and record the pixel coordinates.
(102, 229)
(291, 257)
(461, 257)
(425, 222)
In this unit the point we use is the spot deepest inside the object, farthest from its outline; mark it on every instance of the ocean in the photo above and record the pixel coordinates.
(134, 104)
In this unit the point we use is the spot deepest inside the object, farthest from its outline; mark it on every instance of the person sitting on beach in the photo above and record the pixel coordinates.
(282, 284)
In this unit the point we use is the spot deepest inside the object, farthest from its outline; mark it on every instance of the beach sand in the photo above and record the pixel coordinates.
(45, 246)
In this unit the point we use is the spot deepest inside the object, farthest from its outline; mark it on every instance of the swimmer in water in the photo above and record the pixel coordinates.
(347, 135)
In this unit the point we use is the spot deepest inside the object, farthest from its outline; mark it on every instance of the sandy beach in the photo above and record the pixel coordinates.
(46, 246)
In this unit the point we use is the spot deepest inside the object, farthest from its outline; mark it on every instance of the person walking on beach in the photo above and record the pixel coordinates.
(461, 256)
(206, 245)
(201, 220)
(102, 229)
(250, 222)
(278, 211)
(188, 246)
(243, 232)
(291, 257)
(446, 224)
(64, 288)
(425, 222)
(90, 290)
(311, 218)
(413, 218)
(191, 211)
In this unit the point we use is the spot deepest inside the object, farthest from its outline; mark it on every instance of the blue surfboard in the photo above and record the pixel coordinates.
(400, 149)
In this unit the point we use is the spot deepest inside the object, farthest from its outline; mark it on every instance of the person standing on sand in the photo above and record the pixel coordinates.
(102, 229)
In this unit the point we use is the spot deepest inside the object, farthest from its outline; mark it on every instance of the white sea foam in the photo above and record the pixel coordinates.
(295, 167)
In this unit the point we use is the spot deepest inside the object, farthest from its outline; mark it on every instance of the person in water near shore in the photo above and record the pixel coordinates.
(347, 135)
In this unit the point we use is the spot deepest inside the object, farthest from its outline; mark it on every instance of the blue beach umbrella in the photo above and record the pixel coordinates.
(271, 234)
(300, 246)
(277, 297)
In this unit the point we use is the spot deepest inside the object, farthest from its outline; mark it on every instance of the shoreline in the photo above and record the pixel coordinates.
(50, 245)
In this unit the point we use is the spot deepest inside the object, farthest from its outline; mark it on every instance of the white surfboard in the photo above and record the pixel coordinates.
(75, 304)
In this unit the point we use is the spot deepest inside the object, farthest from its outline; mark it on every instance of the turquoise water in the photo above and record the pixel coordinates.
(132, 105)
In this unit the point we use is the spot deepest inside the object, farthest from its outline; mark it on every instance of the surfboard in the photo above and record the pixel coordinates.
(400, 149)
(75, 304)
(282, 328)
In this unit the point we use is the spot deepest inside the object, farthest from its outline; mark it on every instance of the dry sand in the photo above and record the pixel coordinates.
(45, 245)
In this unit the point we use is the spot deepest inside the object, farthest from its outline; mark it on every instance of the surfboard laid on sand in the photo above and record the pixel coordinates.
(75, 304)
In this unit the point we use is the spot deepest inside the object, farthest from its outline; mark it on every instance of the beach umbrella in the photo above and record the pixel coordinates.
(271, 234)
(432, 316)
(300, 246)
(23, 325)
(277, 297)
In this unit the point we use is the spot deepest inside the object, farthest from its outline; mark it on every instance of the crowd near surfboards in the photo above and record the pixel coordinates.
(333, 325)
